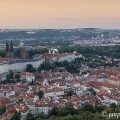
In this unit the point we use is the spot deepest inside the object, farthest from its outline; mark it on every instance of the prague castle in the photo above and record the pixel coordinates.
(21, 53)
(17, 59)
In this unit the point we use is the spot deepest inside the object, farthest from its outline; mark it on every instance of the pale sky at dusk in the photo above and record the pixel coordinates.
(59, 14)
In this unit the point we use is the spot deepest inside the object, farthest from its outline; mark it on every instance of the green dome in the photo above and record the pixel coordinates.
(21, 44)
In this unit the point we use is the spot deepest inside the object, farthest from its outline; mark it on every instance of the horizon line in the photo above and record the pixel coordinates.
(57, 28)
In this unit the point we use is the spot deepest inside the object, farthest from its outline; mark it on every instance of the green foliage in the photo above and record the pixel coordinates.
(85, 115)
(100, 108)
(98, 116)
(40, 93)
(64, 111)
(37, 51)
(54, 111)
(11, 75)
(86, 112)
(94, 54)
(17, 76)
(47, 66)
(113, 105)
(30, 117)
(92, 91)
(89, 108)
(16, 116)
(70, 93)
(19, 101)
(42, 115)
(32, 82)
(30, 68)
(84, 72)
(70, 67)
(65, 63)
(2, 110)
(10, 78)
(2, 53)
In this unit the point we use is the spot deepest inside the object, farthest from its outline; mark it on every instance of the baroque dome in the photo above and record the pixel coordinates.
(21, 44)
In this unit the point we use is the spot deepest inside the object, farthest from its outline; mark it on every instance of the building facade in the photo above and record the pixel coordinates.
(20, 53)
(9, 50)
(19, 65)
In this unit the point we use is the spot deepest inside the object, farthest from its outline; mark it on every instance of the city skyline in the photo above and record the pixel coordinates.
(58, 14)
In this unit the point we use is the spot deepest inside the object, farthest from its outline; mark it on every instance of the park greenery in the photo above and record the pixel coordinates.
(2, 53)
(11, 78)
(86, 112)
(87, 51)
(61, 66)
(30, 68)
(16, 116)
(94, 56)
(70, 93)
(2, 109)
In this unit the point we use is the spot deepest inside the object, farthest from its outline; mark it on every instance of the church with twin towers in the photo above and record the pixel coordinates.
(20, 52)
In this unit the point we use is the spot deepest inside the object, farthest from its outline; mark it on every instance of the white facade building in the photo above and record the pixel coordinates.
(66, 56)
(19, 65)
(53, 92)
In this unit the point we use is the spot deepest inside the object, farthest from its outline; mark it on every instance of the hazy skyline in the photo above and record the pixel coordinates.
(59, 14)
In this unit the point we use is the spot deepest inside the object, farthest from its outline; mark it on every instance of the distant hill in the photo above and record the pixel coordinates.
(57, 34)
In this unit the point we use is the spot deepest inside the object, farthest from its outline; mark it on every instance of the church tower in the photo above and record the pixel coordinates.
(22, 51)
(7, 47)
(9, 50)
(11, 47)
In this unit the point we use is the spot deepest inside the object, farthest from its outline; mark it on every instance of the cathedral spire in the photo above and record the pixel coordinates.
(11, 47)
(7, 46)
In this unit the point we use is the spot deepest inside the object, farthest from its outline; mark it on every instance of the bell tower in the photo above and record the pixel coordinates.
(9, 50)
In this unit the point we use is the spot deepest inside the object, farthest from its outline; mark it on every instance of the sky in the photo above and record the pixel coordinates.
(50, 14)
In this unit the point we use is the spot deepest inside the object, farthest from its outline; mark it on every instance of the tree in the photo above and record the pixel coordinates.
(32, 82)
(54, 111)
(98, 116)
(85, 115)
(100, 108)
(40, 93)
(16, 116)
(91, 90)
(84, 72)
(113, 105)
(19, 101)
(39, 69)
(17, 76)
(10, 78)
(30, 68)
(2, 110)
(63, 112)
(30, 117)
(2, 53)
(65, 63)
(70, 117)
(11, 75)
(89, 108)
(42, 115)
(70, 93)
